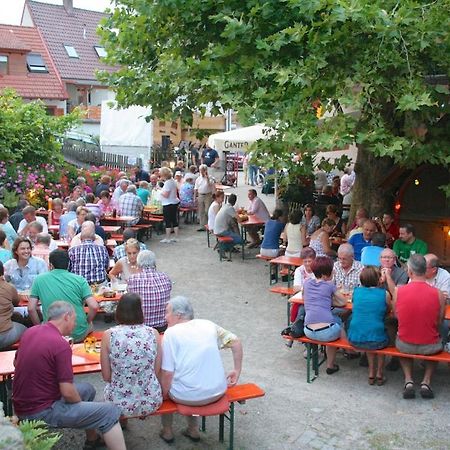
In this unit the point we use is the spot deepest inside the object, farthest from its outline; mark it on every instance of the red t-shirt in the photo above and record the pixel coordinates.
(417, 309)
(44, 360)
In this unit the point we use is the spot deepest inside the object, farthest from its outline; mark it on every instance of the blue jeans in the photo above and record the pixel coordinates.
(237, 239)
(328, 334)
(252, 172)
(86, 414)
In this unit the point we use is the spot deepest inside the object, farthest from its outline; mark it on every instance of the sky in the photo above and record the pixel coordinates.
(11, 10)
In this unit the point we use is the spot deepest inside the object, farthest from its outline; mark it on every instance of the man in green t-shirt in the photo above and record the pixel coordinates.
(407, 244)
(60, 284)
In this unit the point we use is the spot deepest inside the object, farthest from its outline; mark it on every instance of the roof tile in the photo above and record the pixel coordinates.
(31, 85)
(10, 41)
(77, 30)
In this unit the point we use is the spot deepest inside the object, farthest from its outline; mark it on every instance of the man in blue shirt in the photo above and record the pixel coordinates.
(370, 256)
(210, 157)
(66, 218)
(364, 239)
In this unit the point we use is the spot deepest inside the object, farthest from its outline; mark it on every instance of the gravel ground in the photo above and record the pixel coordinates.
(335, 412)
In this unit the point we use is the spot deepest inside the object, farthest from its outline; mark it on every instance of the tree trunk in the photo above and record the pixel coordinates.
(368, 191)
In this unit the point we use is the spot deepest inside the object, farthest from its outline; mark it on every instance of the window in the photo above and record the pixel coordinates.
(71, 51)
(101, 52)
(35, 63)
(3, 65)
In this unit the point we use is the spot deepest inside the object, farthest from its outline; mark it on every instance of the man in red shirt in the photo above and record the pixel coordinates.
(419, 308)
(387, 226)
(43, 386)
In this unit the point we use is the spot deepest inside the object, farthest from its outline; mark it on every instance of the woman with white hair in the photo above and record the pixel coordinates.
(192, 370)
(169, 200)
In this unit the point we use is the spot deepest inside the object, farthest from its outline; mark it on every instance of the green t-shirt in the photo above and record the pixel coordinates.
(59, 284)
(143, 194)
(404, 250)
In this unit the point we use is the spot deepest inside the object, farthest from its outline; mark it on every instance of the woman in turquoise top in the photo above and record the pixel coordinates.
(366, 330)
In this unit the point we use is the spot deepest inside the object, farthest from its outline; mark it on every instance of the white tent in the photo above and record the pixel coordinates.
(239, 139)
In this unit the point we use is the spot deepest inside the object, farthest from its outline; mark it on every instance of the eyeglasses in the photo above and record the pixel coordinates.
(387, 257)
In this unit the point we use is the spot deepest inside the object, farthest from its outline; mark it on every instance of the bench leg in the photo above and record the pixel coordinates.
(203, 428)
(231, 443)
(273, 274)
(5, 396)
(288, 310)
(221, 427)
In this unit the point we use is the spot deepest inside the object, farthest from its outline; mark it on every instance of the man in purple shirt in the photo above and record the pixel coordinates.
(43, 383)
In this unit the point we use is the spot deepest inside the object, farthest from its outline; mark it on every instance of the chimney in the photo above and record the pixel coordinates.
(68, 6)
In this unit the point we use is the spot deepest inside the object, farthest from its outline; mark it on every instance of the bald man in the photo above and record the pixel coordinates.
(90, 228)
(88, 259)
(437, 277)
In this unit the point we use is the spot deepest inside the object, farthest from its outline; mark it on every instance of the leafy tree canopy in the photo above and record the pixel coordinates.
(27, 133)
(275, 60)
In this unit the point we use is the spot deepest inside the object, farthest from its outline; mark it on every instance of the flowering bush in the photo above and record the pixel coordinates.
(35, 183)
(94, 173)
(38, 183)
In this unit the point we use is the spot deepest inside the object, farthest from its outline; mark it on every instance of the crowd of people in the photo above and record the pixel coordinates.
(382, 268)
(397, 289)
(61, 285)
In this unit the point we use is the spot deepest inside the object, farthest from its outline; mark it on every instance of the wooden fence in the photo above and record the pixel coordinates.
(82, 153)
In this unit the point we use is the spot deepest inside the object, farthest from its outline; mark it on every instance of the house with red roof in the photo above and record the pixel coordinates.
(27, 67)
(70, 36)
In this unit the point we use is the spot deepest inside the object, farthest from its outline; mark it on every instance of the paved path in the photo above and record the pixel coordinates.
(335, 412)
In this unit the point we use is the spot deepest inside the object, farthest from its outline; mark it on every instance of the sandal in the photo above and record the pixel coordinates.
(408, 391)
(371, 381)
(166, 440)
(331, 370)
(381, 381)
(192, 438)
(425, 391)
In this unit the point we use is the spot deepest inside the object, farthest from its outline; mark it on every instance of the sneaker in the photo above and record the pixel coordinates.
(165, 241)
(173, 240)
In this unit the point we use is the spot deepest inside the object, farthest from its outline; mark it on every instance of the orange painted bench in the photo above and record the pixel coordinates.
(222, 240)
(264, 258)
(224, 408)
(146, 227)
(313, 363)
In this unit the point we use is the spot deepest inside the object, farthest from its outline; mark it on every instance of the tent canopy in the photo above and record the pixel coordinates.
(239, 139)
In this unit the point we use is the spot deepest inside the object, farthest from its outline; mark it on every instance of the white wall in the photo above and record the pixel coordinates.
(89, 128)
(58, 103)
(26, 18)
(99, 95)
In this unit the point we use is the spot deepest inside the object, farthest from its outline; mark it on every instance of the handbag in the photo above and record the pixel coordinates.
(297, 328)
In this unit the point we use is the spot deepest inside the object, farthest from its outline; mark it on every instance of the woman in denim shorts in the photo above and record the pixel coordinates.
(319, 296)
